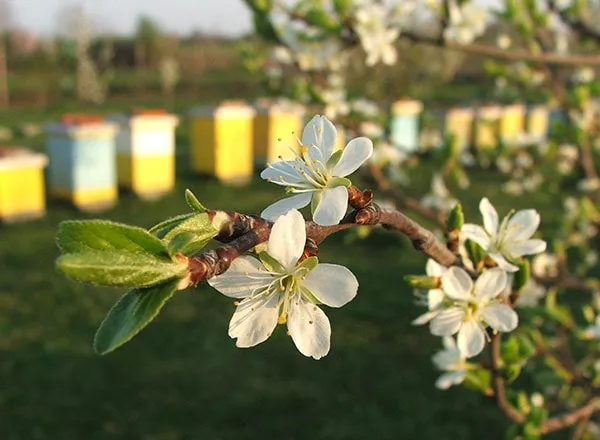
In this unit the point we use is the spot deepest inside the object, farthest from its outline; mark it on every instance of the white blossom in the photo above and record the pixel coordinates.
(278, 289)
(545, 265)
(376, 35)
(530, 294)
(435, 297)
(466, 22)
(508, 240)
(317, 176)
(452, 362)
(474, 306)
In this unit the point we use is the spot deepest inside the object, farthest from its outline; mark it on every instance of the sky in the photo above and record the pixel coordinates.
(230, 17)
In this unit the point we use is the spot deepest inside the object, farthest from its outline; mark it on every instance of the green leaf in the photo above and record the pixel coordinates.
(132, 312)
(197, 224)
(456, 219)
(339, 181)
(193, 202)
(522, 276)
(162, 228)
(475, 252)
(270, 263)
(334, 159)
(478, 380)
(119, 268)
(422, 281)
(314, 202)
(182, 242)
(102, 235)
(512, 372)
(510, 350)
(310, 263)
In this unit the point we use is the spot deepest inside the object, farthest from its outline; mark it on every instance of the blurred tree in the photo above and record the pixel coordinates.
(6, 23)
(79, 26)
(148, 38)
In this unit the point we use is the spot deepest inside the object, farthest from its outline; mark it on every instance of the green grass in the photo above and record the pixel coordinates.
(183, 377)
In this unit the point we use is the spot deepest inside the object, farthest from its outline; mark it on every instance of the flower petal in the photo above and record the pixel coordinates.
(475, 233)
(433, 268)
(522, 225)
(321, 133)
(490, 216)
(284, 172)
(425, 317)
(245, 276)
(500, 317)
(490, 284)
(447, 322)
(528, 247)
(450, 378)
(471, 338)
(332, 207)
(283, 206)
(435, 297)
(331, 284)
(503, 262)
(449, 342)
(287, 239)
(254, 320)
(457, 284)
(309, 328)
(354, 155)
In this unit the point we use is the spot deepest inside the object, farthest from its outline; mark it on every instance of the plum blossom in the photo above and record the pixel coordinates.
(435, 297)
(376, 36)
(465, 22)
(474, 307)
(530, 294)
(279, 289)
(452, 362)
(508, 240)
(317, 175)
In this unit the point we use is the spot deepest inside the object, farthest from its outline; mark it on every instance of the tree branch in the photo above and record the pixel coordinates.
(506, 55)
(498, 384)
(243, 232)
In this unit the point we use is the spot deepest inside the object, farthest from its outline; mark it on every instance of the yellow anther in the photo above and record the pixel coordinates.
(282, 318)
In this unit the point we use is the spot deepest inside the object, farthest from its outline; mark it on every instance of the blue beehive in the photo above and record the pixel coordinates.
(82, 166)
(404, 130)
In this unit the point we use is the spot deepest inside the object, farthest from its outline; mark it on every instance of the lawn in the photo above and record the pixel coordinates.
(183, 377)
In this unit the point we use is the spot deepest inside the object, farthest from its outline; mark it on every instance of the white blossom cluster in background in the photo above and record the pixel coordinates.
(465, 308)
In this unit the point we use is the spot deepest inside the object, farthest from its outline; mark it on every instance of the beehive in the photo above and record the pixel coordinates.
(82, 169)
(145, 146)
(277, 125)
(512, 122)
(221, 141)
(537, 122)
(456, 121)
(487, 129)
(22, 193)
(404, 130)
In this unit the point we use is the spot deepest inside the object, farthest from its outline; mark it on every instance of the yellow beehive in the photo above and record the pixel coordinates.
(512, 122)
(145, 146)
(277, 127)
(487, 130)
(221, 141)
(457, 121)
(22, 194)
(538, 119)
